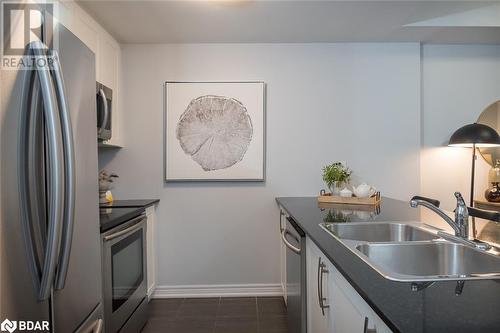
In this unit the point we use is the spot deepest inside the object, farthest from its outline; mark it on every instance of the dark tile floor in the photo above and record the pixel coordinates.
(217, 315)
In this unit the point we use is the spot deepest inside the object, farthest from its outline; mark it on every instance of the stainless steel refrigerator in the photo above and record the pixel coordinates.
(50, 242)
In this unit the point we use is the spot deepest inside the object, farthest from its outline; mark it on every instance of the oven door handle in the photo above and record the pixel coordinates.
(133, 227)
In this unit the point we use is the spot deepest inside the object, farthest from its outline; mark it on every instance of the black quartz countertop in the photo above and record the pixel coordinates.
(434, 309)
(112, 217)
(130, 203)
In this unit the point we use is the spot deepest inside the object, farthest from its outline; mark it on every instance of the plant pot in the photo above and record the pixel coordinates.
(337, 187)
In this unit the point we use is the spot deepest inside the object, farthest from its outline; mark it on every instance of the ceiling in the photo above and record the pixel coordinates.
(257, 21)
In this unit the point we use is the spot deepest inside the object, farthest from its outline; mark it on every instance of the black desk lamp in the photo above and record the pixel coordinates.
(474, 136)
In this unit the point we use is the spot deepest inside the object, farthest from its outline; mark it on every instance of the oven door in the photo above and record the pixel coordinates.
(124, 271)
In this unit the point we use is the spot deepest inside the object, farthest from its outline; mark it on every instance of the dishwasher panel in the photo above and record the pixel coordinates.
(295, 241)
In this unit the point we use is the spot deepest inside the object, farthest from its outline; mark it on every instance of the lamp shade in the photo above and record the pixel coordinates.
(475, 134)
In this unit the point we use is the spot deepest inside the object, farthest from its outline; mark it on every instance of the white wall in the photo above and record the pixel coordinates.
(325, 102)
(459, 81)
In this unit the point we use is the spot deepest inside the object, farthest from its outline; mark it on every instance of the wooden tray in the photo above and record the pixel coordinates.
(328, 198)
(354, 207)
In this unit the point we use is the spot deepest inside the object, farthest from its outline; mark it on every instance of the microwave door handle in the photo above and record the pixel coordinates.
(55, 172)
(69, 174)
(106, 111)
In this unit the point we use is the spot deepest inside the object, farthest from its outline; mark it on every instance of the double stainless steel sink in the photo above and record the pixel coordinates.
(411, 252)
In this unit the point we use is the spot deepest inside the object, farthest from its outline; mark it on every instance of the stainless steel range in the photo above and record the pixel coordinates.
(124, 270)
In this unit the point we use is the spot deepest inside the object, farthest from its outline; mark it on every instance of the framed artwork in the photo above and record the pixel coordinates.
(214, 131)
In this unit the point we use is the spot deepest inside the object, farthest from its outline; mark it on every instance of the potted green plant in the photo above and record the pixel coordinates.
(336, 176)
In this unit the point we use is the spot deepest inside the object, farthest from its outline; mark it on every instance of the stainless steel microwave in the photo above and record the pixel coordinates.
(104, 99)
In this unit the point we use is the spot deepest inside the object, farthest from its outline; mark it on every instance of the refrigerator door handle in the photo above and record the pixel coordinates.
(69, 173)
(55, 170)
(28, 193)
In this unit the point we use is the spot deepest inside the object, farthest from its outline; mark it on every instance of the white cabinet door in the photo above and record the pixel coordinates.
(283, 216)
(346, 316)
(353, 311)
(346, 311)
(319, 283)
(83, 26)
(109, 75)
(108, 61)
(151, 249)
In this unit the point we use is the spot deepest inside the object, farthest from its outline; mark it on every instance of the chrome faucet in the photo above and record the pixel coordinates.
(461, 223)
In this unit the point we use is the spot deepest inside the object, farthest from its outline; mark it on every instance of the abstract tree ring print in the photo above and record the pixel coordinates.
(215, 131)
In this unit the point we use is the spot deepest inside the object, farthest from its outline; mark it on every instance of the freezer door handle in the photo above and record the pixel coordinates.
(54, 174)
(69, 173)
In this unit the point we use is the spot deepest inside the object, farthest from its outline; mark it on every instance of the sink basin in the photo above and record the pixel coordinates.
(378, 232)
(430, 261)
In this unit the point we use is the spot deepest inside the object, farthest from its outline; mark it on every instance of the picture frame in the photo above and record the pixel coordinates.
(214, 131)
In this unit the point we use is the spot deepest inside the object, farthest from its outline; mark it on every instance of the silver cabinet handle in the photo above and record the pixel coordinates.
(133, 227)
(55, 171)
(106, 111)
(284, 233)
(69, 173)
(321, 270)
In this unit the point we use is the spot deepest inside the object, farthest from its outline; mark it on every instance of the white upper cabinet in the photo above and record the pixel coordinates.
(107, 55)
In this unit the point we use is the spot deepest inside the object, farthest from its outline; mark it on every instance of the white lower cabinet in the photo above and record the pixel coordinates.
(282, 254)
(151, 249)
(333, 305)
(319, 282)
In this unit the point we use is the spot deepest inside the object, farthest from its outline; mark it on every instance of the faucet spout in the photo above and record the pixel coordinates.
(418, 202)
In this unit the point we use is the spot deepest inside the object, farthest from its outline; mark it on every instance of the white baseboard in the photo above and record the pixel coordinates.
(229, 290)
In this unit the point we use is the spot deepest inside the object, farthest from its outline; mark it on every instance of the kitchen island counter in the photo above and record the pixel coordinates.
(434, 309)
